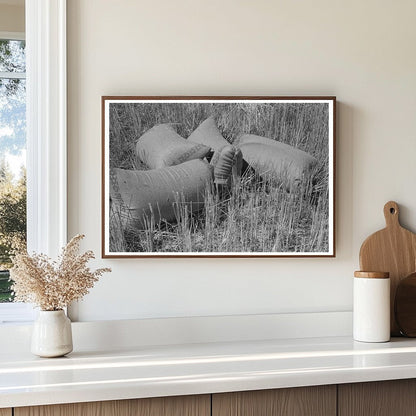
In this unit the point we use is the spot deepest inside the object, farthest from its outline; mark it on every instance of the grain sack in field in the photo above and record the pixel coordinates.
(161, 146)
(276, 159)
(207, 133)
(142, 196)
(223, 161)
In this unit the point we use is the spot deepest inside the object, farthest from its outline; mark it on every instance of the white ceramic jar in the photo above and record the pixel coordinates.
(52, 334)
(371, 322)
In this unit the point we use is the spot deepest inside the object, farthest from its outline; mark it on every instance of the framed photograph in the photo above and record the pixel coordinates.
(218, 176)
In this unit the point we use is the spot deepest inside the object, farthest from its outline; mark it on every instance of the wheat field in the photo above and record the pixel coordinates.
(257, 215)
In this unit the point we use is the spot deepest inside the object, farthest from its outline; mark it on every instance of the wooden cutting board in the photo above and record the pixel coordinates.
(393, 250)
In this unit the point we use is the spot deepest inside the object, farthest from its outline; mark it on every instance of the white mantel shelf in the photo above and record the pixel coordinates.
(151, 371)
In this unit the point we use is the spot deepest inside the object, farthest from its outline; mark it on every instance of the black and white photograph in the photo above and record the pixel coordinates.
(218, 176)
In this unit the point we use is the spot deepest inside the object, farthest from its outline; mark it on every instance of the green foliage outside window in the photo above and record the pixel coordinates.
(12, 155)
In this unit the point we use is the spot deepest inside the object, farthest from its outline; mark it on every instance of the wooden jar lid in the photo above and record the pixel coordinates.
(372, 275)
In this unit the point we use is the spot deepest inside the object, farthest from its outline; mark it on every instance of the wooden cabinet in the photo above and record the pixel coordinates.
(163, 406)
(381, 398)
(385, 398)
(300, 401)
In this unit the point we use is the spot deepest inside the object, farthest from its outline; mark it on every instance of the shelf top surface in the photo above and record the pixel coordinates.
(152, 371)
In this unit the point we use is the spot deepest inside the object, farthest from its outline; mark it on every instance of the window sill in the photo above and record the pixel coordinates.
(16, 313)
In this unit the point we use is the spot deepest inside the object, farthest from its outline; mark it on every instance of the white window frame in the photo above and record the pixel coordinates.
(46, 134)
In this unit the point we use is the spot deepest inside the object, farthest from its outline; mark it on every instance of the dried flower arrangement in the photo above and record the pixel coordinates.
(53, 285)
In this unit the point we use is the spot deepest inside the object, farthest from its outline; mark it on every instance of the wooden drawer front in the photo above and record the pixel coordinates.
(5, 412)
(164, 406)
(381, 398)
(301, 401)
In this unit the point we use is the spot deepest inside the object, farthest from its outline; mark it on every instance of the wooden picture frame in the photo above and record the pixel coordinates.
(234, 176)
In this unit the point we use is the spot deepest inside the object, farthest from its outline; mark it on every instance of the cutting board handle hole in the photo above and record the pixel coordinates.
(391, 213)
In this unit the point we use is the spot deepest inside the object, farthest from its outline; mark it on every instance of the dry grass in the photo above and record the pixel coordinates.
(258, 214)
(52, 285)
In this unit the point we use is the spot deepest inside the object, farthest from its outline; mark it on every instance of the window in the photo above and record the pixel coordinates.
(12, 155)
(46, 133)
(12, 165)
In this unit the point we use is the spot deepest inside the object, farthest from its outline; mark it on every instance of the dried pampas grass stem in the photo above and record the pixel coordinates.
(53, 285)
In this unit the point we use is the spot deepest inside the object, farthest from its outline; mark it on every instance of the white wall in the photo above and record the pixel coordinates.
(361, 51)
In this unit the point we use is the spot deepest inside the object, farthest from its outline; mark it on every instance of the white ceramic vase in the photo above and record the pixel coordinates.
(52, 334)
